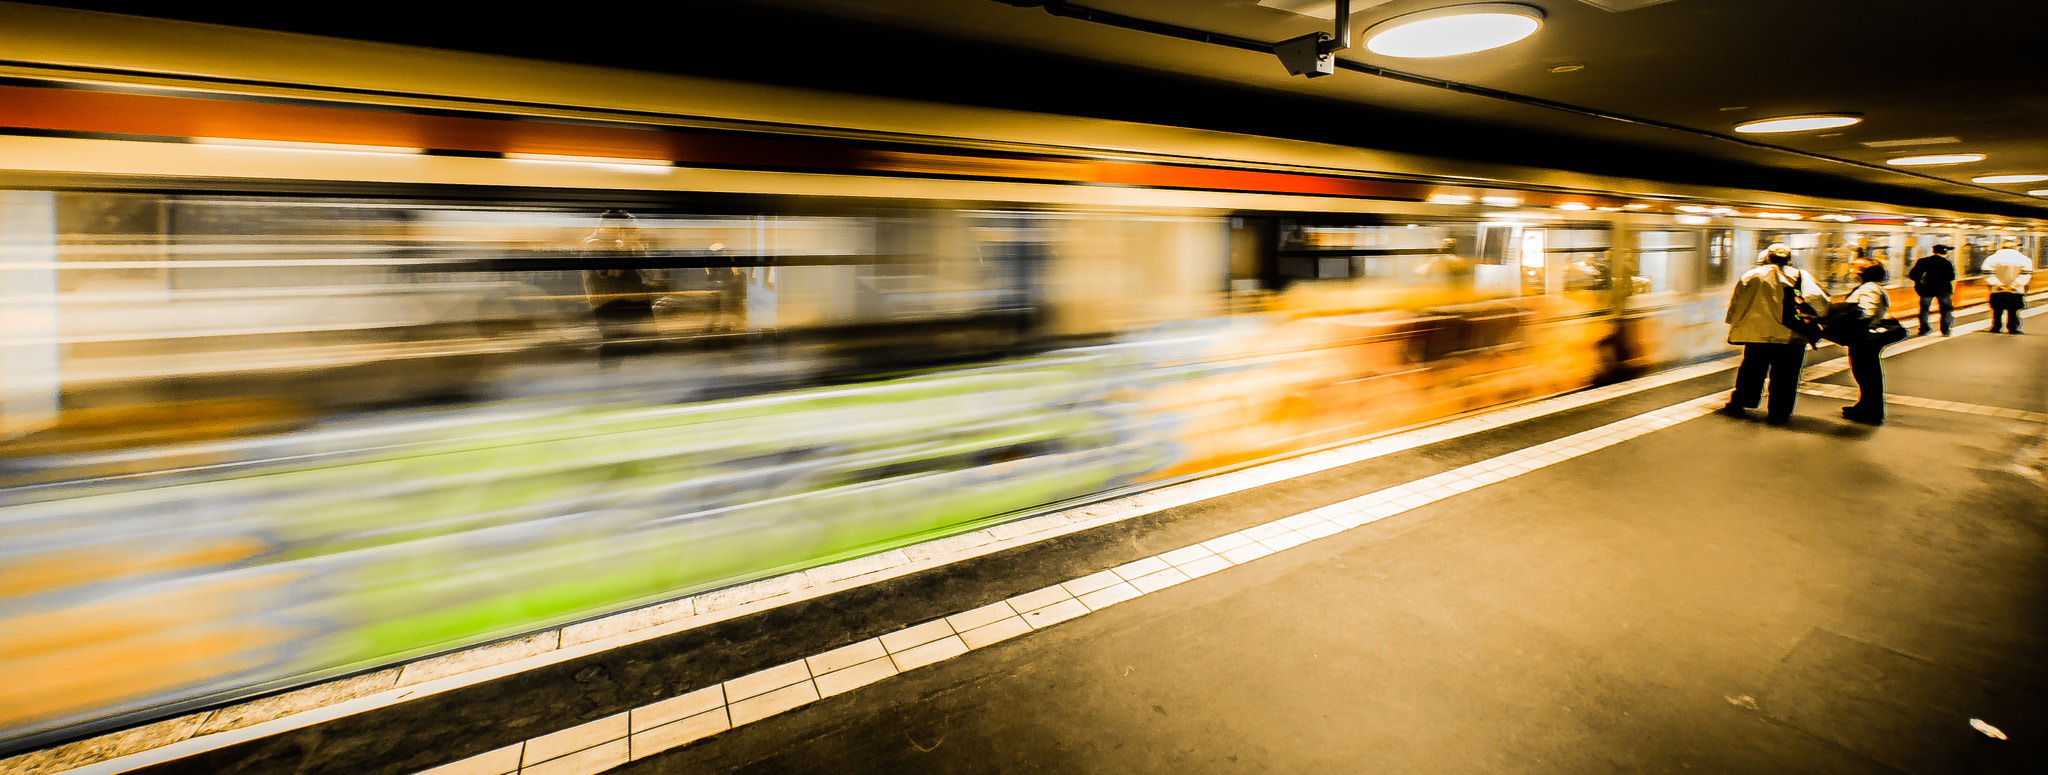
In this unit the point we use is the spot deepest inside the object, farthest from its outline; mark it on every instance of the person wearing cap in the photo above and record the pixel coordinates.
(1934, 279)
(1770, 350)
(2007, 271)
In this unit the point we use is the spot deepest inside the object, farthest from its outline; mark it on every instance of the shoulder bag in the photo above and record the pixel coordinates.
(1798, 315)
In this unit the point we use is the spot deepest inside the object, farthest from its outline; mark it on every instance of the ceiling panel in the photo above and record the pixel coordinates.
(1646, 89)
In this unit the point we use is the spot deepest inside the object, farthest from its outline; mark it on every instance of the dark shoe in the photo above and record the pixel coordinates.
(1923, 332)
(1853, 414)
(1996, 331)
(2014, 332)
(1732, 410)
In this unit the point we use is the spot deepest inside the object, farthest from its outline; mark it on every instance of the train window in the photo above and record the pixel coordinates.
(1582, 256)
(1495, 243)
(1386, 254)
(1885, 248)
(111, 242)
(1971, 254)
(1665, 263)
(246, 310)
(1720, 258)
(1805, 246)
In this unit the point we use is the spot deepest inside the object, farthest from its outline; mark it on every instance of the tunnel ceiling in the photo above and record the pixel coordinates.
(1640, 88)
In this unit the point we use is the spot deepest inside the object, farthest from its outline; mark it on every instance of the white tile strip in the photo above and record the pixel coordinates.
(1848, 393)
(784, 687)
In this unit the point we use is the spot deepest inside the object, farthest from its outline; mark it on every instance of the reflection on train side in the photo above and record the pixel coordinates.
(263, 440)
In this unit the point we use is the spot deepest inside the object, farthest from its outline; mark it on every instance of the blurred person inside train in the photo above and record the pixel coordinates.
(730, 310)
(1586, 272)
(1770, 349)
(1447, 270)
(617, 285)
(2007, 271)
(1869, 327)
(1934, 279)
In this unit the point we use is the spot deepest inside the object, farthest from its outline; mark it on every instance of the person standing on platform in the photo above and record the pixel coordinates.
(1934, 278)
(1875, 306)
(2008, 271)
(1769, 348)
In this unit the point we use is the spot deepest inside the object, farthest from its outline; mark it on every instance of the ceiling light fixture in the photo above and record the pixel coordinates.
(1945, 158)
(1801, 123)
(1453, 30)
(2038, 192)
(1912, 141)
(2009, 178)
(1574, 206)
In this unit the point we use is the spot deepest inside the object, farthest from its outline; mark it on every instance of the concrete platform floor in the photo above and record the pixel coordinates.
(1718, 596)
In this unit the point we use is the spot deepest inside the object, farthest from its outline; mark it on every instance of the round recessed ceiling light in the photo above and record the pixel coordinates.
(1945, 158)
(1453, 30)
(2038, 192)
(2009, 178)
(1798, 123)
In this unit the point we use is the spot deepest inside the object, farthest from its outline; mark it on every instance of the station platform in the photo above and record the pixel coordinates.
(1617, 580)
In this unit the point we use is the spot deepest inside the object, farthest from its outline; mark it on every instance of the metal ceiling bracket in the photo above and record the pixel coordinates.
(1315, 54)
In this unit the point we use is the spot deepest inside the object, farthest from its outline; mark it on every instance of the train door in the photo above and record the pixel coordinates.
(29, 381)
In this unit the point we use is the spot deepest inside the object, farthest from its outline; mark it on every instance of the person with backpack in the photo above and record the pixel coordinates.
(2007, 272)
(1934, 278)
(1865, 329)
(1766, 299)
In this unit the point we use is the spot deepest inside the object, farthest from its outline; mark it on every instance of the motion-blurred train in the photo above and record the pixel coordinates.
(317, 366)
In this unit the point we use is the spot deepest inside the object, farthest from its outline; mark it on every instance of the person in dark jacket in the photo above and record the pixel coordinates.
(1873, 305)
(1934, 278)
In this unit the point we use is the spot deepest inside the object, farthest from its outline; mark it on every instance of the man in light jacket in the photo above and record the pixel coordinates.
(1769, 349)
(2007, 272)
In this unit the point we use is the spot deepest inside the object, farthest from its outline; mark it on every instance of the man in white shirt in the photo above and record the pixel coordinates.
(2007, 271)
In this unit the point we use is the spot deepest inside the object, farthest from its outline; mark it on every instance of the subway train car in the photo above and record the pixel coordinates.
(315, 366)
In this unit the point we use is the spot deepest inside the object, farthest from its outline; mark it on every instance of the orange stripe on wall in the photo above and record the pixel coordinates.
(1135, 174)
(172, 116)
(145, 114)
